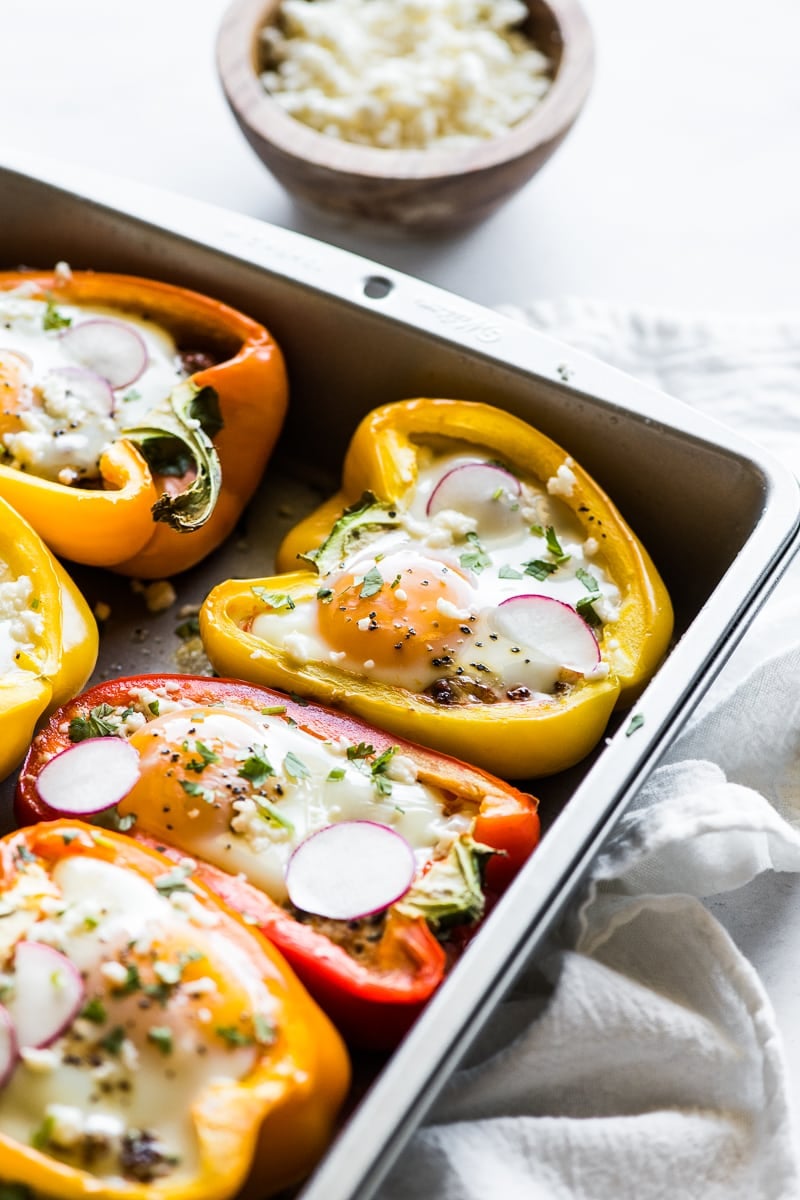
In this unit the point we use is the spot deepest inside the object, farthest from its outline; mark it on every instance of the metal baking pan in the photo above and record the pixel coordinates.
(718, 516)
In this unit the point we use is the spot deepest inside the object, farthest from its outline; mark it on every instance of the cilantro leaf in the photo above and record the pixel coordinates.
(95, 725)
(475, 559)
(371, 583)
(257, 767)
(295, 768)
(276, 600)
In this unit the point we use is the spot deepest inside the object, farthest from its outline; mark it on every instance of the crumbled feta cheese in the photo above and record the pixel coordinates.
(204, 986)
(564, 481)
(41, 1062)
(159, 596)
(113, 973)
(448, 609)
(402, 73)
(65, 1124)
(590, 547)
(600, 671)
(402, 769)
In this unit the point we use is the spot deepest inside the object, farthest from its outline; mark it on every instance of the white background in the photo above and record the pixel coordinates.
(678, 188)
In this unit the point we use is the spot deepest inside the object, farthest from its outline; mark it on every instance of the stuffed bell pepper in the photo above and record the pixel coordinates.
(48, 637)
(470, 588)
(366, 860)
(151, 1045)
(136, 417)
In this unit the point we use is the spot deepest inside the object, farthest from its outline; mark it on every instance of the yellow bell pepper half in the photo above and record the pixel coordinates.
(230, 1072)
(519, 739)
(145, 520)
(56, 655)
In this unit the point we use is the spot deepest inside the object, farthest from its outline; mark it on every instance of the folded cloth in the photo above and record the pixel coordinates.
(641, 1056)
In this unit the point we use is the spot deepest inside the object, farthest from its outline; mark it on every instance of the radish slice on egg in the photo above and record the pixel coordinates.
(93, 389)
(89, 777)
(350, 870)
(109, 347)
(9, 1047)
(550, 629)
(479, 490)
(48, 994)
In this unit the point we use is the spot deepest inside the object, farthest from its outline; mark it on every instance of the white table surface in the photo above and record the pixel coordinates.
(679, 188)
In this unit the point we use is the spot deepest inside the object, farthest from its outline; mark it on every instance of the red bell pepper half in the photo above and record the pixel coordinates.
(373, 991)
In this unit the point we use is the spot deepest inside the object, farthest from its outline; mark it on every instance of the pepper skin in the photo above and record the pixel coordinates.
(517, 739)
(63, 654)
(114, 526)
(373, 1004)
(269, 1125)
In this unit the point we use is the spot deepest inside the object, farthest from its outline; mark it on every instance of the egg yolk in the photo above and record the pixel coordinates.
(13, 384)
(401, 609)
(190, 763)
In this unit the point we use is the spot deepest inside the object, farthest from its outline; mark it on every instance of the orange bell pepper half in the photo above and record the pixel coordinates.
(172, 488)
(177, 1053)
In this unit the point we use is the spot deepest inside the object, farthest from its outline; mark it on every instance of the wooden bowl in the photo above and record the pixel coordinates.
(414, 189)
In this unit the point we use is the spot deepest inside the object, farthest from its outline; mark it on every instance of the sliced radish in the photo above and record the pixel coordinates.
(112, 349)
(89, 777)
(551, 629)
(350, 870)
(479, 490)
(48, 994)
(9, 1047)
(92, 389)
(24, 358)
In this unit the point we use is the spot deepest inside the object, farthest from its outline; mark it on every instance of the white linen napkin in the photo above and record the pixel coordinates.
(655, 1067)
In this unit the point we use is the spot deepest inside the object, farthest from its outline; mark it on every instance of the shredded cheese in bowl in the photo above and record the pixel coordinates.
(404, 74)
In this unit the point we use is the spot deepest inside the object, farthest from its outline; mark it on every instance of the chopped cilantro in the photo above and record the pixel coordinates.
(585, 606)
(588, 581)
(539, 569)
(298, 699)
(207, 757)
(53, 319)
(383, 785)
(94, 1011)
(161, 1036)
(325, 595)
(257, 767)
(97, 724)
(371, 584)
(276, 600)
(131, 395)
(40, 1139)
(173, 881)
(362, 750)
(295, 768)
(264, 1029)
(336, 773)
(635, 723)
(35, 603)
(112, 1042)
(154, 707)
(537, 530)
(233, 1036)
(554, 546)
(192, 788)
(188, 629)
(23, 855)
(132, 982)
(508, 572)
(168, 972)
(475, 559)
